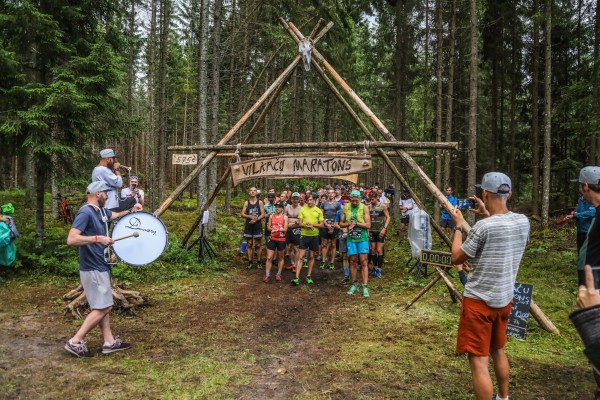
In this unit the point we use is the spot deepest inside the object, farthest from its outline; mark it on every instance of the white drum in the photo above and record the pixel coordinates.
(150, 243)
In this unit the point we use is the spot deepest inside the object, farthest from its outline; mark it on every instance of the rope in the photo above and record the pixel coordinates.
(238, 149)
(366, 146)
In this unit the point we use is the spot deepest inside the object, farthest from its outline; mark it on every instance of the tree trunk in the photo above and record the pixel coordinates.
(438, 99)
(216, 71)
(547, 114)
(151, 133)
(450, 94)
(161, 142)
(203, 97)
(535, 126)
(473, 76)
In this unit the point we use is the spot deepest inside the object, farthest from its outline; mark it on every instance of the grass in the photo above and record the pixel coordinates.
(215, 332)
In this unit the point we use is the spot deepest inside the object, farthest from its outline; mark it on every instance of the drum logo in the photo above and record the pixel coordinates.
(136, 225)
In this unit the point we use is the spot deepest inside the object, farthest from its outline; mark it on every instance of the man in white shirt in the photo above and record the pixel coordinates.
(133, 190)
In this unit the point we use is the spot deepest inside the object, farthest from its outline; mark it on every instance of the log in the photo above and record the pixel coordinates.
(73, 293)
(124, 299)
(413, 153)
(282, 78)
(323, 145)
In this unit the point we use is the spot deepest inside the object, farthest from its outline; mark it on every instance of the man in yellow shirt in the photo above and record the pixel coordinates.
(310, 220)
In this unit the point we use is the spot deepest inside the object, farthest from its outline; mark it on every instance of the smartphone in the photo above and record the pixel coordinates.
(596, 272)
(464, 204)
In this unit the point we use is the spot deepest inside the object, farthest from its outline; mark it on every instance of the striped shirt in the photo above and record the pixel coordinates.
(496, 245)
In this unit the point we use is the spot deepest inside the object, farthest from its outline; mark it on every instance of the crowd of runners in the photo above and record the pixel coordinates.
(347, 224)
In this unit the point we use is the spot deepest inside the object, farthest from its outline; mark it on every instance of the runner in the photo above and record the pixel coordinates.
(310, 219)
(253, 211)
(277, 225)
(269, 210)
(343, 241)
(329, 233)
(293, 232)
(357, 218)
(380, 220)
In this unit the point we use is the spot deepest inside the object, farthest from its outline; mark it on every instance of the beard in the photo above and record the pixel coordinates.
(102, 200)
(110, 165)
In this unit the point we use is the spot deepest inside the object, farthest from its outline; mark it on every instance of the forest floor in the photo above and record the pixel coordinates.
(228, 335)
(221, 333)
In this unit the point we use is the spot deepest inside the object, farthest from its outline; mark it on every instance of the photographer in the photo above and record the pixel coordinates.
(495, 244)
(589, 253)
(133, 190)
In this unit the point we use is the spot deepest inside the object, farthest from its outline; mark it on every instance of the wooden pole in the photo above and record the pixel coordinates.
(253, 130)
(422, 292)
(367, 144)
(413, 153)
(380, 151)
(536, 312)
(279, 81)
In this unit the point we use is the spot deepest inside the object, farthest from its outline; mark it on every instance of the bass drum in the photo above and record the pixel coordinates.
(148, 246)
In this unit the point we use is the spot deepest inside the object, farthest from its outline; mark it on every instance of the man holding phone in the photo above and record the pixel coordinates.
(133, 190)
(589, 186)
(495, 245)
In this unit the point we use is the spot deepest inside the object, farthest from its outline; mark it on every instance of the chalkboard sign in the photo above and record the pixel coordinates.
(517, 322)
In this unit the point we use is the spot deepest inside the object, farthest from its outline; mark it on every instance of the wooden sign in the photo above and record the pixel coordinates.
(293, 166)
(439, 258)
(185, 159)
(517, 322)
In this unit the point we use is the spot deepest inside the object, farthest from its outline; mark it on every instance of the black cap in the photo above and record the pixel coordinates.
(271, 196)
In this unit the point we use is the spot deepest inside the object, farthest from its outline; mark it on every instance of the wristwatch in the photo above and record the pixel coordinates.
(458, 228)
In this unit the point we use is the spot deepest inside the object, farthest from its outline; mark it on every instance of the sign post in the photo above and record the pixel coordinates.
(517, 322)
(294, 166)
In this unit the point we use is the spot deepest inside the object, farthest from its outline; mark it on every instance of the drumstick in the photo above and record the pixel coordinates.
(134, 234)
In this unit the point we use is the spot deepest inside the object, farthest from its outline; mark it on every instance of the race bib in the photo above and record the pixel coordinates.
(296, 231)
(355, 233)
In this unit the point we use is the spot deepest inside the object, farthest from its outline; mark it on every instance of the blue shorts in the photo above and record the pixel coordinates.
(355, 248)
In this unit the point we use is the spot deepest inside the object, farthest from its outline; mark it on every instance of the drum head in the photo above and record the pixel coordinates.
(145, 248)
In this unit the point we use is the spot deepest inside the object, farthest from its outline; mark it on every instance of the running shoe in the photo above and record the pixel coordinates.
(309, 280)
(377, 272)
(249, 266)
(331, 266)
(345, 280)
(295, 282)
(291, 267)
(266, 279)
(305, 264)
(239, 255)
(319, 257)
(78, 350)
(118, 345)
(372, 272)
(322, 266)
(365, 292)
(259, 265)
(353, 289)
(278, 278)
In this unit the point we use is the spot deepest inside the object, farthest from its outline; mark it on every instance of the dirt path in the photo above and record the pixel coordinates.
(276, 323)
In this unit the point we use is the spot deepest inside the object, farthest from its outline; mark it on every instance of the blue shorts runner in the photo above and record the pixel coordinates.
(355, 248)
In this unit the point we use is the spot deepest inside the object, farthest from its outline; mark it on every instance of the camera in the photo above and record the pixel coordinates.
(133, 186)
(596, 273)
(464, 204)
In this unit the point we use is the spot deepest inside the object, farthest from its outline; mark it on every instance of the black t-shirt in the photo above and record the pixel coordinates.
(592, 256)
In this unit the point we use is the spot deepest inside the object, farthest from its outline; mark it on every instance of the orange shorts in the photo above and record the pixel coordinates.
(481, 327)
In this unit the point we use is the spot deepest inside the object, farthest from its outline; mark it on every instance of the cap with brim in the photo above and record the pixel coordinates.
(345, 198)
(98, 186)
(495, 182)
(355, 193)
(296, 194)
(279, 204)
(106, 153)
(589, 175)
(271, 196)
(337, 187)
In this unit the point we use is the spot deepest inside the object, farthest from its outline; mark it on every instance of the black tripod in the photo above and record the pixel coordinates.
(205, 249)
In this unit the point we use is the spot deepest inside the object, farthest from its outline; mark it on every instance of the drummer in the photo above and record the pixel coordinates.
(90, 233)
